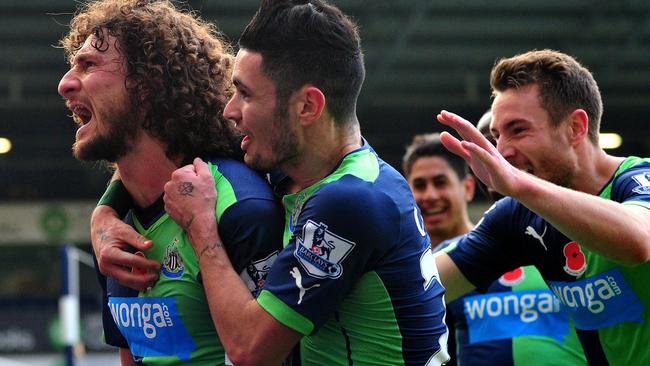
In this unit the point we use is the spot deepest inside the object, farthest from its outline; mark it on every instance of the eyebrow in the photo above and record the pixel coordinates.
(514, 123)
(434, 177)
(240, 85)
(509, 125)
(81, 57)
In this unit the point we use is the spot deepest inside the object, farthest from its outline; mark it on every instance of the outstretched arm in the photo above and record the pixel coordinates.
(452, 279)
(620, 232)
(249, 334)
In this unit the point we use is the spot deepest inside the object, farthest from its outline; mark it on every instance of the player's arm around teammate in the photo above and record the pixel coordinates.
(249, 334)
(110, 237)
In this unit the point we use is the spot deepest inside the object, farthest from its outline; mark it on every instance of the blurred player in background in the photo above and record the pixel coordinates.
(442, 187)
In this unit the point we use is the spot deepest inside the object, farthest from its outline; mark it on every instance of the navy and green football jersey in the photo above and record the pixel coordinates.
(171, 323)
(357, 276)
(518, 319)
(609, 303)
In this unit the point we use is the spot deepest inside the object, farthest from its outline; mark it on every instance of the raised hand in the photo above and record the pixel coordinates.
(484, 159)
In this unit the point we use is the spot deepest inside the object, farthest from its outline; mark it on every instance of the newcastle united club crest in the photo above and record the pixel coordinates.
(172, 265)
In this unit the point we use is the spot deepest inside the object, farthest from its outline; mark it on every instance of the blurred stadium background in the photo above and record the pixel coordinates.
(421, 56)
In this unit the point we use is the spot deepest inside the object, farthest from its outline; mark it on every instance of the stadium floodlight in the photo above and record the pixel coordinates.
(5, 145)
(610, 140)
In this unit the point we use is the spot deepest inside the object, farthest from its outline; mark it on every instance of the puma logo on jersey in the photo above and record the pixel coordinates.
(295, 273)
(531, 231)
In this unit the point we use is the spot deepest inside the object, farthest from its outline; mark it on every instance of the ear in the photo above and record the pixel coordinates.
(469, 182)
(310, 104)
(579, 126)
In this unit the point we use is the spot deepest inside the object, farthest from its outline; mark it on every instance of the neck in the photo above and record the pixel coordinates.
(324, 148)
(595, 172)
(145, 170)
(437, 237)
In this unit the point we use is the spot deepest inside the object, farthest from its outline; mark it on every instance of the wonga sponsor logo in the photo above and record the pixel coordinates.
(504, 315)
(146, 316)
(152, 326)
(599, 301)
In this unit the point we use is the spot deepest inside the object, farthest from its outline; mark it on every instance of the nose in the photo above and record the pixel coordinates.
(430, 192)
(504, 148)
(69, 84)
(231, 110)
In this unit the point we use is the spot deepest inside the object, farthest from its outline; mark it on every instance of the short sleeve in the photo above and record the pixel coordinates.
(492, 248)
(339, 235)
(633, 186)
(251, 230)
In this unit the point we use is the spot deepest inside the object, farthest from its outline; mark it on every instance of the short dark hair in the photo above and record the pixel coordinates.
(178, 69)
(308, 42)
(564, 84)
(429, 145)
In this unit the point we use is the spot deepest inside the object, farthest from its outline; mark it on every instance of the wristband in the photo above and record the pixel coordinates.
(117, 198)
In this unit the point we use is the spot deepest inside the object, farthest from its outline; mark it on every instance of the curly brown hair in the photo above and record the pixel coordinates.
(178, 70)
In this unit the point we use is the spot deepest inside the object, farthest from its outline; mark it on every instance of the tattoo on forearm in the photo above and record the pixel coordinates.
(186, 189)
(210, 247)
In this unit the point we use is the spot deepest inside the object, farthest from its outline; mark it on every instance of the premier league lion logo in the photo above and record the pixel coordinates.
(320, 245)
(320, 252)
(255, 273)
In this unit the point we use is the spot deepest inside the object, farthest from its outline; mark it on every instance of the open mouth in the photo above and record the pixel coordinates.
(245, 142)
(433, 211)
(81, 114)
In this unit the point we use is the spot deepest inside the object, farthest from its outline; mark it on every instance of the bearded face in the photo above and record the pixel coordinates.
(114, 140)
